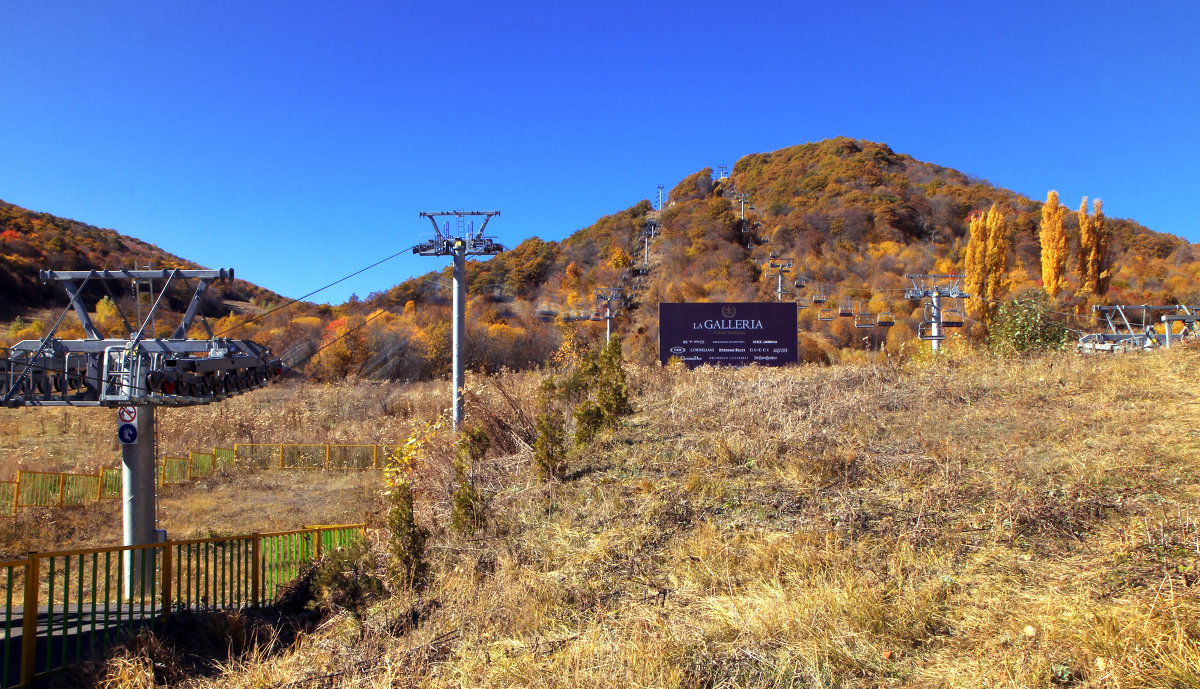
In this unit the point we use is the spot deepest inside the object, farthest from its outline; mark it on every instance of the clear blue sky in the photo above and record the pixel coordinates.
(297, 141)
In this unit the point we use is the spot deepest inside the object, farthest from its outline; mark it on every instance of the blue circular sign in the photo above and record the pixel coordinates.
(127, 433)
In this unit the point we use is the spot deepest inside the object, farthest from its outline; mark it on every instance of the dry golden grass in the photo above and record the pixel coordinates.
(962, 521)
(83, 440)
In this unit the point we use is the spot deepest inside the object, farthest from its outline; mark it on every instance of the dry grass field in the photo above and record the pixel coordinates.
(83, 440)
(964, 521)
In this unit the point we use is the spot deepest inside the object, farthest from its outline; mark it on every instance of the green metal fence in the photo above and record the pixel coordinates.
(110, 483)
(56, 489)
(303, 456)
(8, 498)
(224, 458)
(80, 489)
(174, 470)
(355, 456)
(257, 456)
(38, 488)
(202, 464)
(81, 600)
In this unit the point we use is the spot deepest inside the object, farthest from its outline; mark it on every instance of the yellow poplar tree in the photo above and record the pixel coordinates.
(1054, 246)
(1094, 273)
(986, 263)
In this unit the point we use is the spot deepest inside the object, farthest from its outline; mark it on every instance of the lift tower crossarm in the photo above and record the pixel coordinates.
(69, 278)
(467, 243)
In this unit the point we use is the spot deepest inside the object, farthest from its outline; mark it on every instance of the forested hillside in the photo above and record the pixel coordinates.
(32, 241)
(853, 216)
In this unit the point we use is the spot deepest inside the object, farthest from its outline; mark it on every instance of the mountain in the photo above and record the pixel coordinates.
(853, 216)
(32, 241)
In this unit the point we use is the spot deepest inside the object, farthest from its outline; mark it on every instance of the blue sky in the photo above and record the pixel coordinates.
(297, 141)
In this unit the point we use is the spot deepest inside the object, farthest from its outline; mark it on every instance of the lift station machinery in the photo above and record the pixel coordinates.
(134, 374)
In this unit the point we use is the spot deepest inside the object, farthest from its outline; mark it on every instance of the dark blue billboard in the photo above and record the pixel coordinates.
(728, 334)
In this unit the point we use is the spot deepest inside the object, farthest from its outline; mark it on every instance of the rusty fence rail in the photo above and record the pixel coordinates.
(60, 607)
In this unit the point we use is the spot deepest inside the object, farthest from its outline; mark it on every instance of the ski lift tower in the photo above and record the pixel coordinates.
(135, 374)
(776, 268)
(935, 288)
(610, 296)
(462, 242)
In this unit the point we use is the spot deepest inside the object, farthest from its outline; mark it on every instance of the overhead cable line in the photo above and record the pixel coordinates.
(306, 296)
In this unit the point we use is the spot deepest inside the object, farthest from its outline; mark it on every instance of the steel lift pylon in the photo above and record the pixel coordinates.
(135, 374)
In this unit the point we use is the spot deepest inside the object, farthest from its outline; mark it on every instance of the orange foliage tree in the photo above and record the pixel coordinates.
(986, 262)
(1054, 246)
(1094, 260)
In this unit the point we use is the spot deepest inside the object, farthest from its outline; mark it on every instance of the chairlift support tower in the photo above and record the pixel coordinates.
(134, 374)
(777, 268)
(609, 295)
(464, 241)
(651, 231)
(935, 288)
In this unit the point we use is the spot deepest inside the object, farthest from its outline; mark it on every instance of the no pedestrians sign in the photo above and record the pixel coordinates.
(126, 425)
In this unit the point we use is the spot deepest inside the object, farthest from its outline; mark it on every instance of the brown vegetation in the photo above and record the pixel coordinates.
(957, 521)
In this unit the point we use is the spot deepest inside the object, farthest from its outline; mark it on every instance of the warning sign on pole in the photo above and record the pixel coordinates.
(126, 428)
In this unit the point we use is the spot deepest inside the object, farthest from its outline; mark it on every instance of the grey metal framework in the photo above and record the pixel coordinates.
(935, 288)
(610, 296)
(649, 233)
(777, 268)
(1141, 332)
(137, 374)
(462, 242)
(137, 370)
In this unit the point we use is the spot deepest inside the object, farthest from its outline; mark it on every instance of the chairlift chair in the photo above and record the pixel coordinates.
(825, 314)
(925, 331)
(846, 311)
(863, 319)
(953, 318)
(818, 298)
(886, 319)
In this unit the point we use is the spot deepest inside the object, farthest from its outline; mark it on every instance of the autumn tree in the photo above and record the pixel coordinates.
(1054, 246)
(620, 258)
(1094, 261)
(986, 262)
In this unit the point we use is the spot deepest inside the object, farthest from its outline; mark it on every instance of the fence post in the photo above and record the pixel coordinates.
(280, 455)
(100, 484)
(168, 572)
(29, 622)
(62, 488)
(328, 456)
(317, 539)
(255, 567)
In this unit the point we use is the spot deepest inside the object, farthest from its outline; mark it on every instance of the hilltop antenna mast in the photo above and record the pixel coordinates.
(661, 198)
(465, 242)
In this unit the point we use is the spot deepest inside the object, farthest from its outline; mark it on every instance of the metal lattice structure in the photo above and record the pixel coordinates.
(935, 288)
(1126, 331)
(138, 370)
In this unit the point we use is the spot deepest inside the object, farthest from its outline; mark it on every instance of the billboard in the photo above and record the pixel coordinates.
(728, 334)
